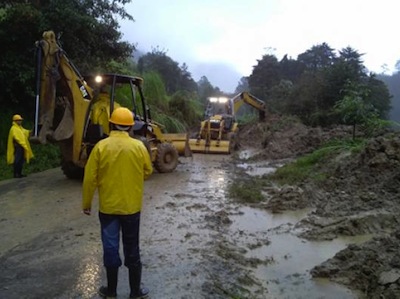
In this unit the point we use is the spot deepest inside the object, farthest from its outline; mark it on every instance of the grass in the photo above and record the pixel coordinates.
(46, 157)
(246, 191)
(315, 166)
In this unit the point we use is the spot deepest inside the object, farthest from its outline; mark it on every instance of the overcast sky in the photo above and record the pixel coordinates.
(222, 39)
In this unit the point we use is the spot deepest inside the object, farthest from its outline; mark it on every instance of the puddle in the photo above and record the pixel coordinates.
(256, 170)
(248, 153)
(288, 274)
(259, 169)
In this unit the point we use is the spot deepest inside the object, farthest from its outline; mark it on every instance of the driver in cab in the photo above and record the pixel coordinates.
(101, 109)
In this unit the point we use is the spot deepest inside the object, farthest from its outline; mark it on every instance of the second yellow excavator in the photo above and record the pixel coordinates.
(219, 128)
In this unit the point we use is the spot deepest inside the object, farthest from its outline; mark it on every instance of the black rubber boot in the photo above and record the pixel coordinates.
(135, 276)
(110, 291)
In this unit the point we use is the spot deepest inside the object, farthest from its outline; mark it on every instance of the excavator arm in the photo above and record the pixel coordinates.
(245, 97)
(62, 99)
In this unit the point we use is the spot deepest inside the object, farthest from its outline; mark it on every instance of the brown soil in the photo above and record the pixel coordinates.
(360, 197)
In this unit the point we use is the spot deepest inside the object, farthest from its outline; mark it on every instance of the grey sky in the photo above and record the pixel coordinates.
(222, 39)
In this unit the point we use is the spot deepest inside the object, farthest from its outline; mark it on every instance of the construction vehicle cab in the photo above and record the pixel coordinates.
(73, 110)
(218, 130)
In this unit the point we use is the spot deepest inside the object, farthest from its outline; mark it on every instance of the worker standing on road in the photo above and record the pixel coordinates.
(18, 146)
(117, 167)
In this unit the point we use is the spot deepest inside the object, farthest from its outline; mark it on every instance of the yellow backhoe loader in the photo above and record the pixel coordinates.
(219, 128)
(73, 111)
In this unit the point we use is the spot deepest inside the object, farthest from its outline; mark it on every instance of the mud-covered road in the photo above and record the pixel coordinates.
(195, 241)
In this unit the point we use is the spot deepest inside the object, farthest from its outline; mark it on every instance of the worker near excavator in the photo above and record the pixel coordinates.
(117, 167)
(101, 110)
(18, 147)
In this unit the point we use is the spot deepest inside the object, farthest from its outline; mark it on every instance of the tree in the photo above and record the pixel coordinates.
(243, 85)
(319, 56)
(89, 35)
(205, 89)
(379, 96)
(352, 59)
(265, 75)
(186, 81)
(175, 77)
(354, 108)
(185, 108)
(290, 69)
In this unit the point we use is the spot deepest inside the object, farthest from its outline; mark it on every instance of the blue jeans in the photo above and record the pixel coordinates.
(111, 226)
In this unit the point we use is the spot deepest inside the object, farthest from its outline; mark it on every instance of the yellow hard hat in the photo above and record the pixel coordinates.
(17, 117)
(122, 116)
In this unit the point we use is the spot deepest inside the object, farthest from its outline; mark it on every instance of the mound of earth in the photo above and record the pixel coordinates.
(360, 197)
(283, 137)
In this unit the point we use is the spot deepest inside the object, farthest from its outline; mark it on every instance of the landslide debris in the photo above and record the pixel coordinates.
(360, 196)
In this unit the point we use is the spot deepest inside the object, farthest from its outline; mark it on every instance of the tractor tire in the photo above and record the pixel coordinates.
(167, 158)
(72, 171)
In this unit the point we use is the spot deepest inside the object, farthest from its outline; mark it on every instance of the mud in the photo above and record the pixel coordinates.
(360, 199)
(339, 240)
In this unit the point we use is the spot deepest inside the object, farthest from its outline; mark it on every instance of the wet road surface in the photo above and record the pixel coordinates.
(195, 242)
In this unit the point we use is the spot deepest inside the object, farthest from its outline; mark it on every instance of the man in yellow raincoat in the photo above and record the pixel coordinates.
(101, 110)
(18, 146)
(117, 167)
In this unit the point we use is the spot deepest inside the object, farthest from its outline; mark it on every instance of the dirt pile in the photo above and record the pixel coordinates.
(360, 197)
(284, 137)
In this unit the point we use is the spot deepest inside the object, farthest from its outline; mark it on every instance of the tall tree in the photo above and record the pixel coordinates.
(243, 85)
(317, 57)
(89, 35)
(186, 81)
(206, 89)
(265, 75)
(175, 77)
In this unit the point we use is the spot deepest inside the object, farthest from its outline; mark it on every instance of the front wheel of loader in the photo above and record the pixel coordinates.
(167, 158)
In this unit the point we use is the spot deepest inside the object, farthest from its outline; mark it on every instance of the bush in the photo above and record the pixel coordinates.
(46, 157)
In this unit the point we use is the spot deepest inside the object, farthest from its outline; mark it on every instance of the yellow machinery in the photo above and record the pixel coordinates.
(218, 131)
(65, 110)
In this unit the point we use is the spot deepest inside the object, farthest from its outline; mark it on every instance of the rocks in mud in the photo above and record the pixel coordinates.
(389, 277)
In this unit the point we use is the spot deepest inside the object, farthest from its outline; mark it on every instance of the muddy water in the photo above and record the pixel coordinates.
(196, 243)
(287, 276)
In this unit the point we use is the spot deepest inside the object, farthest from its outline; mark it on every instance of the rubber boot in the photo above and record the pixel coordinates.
(110, 291)
(135, 277)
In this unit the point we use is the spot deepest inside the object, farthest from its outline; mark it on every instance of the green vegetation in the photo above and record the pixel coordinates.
(310, 166)
(310, 86)
(46, 157)
(247, 190)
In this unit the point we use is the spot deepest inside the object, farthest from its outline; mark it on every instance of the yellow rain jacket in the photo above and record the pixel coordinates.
(117, 167)
(101, 112)
(21, 136)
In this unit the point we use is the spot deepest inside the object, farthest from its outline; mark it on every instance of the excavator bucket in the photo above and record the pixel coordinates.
(210, 147)
(181, 143)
